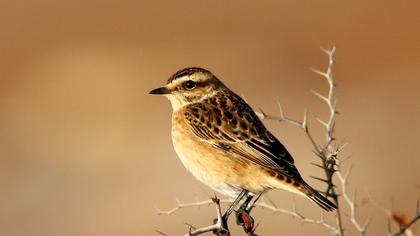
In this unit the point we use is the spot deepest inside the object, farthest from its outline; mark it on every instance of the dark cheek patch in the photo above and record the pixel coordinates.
(203, 84)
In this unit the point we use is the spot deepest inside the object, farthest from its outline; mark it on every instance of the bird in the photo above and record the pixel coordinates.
(220, 139)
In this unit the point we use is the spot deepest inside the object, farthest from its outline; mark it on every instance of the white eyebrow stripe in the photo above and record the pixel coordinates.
(184, 78)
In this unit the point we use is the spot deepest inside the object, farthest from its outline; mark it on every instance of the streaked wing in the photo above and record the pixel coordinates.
(229, 124)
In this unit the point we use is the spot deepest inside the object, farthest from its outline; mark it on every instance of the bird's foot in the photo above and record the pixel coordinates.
(244, 219)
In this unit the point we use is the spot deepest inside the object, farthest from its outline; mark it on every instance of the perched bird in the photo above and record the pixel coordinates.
(223, 143)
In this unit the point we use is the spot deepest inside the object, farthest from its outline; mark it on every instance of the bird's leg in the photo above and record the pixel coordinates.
(225, 216)
(233, 205)
(243, 217)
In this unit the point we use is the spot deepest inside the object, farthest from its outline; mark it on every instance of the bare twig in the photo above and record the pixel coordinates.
(294, 213)
(161, 233)
(327, 152)
(217, 227)
(180, 205)
(263, 205)
(283, 118)
(351, 202)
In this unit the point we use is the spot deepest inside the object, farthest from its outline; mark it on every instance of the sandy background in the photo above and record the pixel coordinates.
(84, 150)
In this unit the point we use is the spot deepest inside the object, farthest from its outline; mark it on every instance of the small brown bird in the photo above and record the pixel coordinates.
(223, 143)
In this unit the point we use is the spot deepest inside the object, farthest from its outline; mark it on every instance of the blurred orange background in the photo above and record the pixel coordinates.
(84, 150)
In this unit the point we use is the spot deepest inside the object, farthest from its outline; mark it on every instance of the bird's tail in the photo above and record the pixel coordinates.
(318, 198)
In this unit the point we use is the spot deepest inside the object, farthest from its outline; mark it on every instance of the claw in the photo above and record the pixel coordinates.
(244, 219)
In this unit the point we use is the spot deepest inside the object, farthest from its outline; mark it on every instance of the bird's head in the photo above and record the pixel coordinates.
(189, 85)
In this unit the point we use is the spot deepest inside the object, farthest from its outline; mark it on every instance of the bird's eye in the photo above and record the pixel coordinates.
(189, 84)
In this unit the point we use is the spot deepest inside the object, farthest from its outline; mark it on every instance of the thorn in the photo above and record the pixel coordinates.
(160, 232)
(159, 211)
(319, 72)
(305, 119)
(320, 179)
(320, 155)
(367, 222)
(321, 121)
(190, 226)
(321, 191)
(255, 228)
(346, 158)
(346, 176)
(294, 205)
(262, 112)
(271, 202)
(318, 165)
(325, 51)
(320, 95)
(322, 218)
(281, 110)
(341, 147)
(331, 51)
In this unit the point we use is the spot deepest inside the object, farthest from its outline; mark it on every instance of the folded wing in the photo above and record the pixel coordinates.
(230, 125)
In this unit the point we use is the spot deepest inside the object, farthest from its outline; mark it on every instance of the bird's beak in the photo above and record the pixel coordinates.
(160, 91)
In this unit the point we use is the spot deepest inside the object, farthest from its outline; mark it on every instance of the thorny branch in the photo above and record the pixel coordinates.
(351, 202)
(180, 205)
(218, 226)
(263, 205)
(294, 213)
(327, 152)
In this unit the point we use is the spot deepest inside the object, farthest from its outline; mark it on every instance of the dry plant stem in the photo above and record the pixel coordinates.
(264, 205)
(294, 213)
(351, 202)
(283, 118)
(327, 152)
(218, 226)
(403, 229)
(180, 205)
